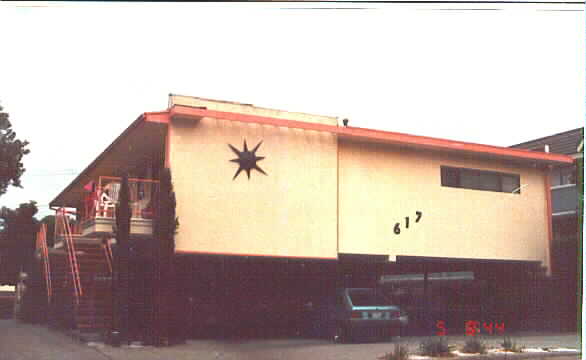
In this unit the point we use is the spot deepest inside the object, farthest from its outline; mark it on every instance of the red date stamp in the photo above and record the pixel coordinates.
(473, 327)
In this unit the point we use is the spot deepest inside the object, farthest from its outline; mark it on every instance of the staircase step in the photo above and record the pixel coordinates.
(106, 316)
(97, 311)
(99, 248)
(87, 305)
(92, 265)
(86, 258)
(100, 307)
(90, 250)
(94, 324)
(89, 319)
(87, 327)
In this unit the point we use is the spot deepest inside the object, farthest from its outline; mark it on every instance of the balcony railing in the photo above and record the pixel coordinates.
(102, 198)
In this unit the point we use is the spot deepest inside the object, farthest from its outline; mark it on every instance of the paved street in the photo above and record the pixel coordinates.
(27, 342)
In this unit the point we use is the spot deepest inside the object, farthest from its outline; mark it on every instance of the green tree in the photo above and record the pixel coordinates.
(11, 152)
(122, 268)
(164, 229)
(17, 240)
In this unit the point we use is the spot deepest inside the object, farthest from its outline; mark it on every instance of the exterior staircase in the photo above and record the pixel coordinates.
(94, 311)
(81, 278)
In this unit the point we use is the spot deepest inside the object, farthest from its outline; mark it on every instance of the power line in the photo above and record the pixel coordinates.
(52, 174)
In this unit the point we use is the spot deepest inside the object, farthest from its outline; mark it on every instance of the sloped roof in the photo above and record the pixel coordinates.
(377, 136)
(562, 143)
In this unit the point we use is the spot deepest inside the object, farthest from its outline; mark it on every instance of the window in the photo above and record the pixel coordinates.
(510, 183)
(563, 176)
(450, 177)
(480, 180)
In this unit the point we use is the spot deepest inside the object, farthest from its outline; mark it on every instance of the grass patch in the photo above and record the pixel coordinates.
(474, 346)
(435, 347)
(510, 345)
(401, 352)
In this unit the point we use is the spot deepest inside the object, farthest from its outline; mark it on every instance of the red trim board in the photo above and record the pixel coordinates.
(188, 252)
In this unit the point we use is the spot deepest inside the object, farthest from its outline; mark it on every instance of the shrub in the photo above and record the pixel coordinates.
(401, 352)
(435, 347)
(509, 345)
(474, 346)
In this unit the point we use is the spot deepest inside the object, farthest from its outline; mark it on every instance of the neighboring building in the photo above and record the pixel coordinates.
(564, 192)
(276, 203)
(565, 210)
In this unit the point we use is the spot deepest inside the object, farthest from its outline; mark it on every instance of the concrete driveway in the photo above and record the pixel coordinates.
(27, 342)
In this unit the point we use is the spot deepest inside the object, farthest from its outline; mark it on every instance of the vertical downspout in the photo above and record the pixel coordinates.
(168, 145)
(427, 311)
(548, 218)
(340, 278)
(337, 194)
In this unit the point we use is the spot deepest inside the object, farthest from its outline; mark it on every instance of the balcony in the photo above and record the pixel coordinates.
(98, 216)
(564, 199)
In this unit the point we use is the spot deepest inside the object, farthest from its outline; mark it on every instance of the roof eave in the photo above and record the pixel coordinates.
(434, 144)
(57, 201)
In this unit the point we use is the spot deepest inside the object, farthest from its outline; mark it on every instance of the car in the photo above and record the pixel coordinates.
(364, 311)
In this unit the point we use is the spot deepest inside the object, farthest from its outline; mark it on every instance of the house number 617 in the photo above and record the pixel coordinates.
(397, 228)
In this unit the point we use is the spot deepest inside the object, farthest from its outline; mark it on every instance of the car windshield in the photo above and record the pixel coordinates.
(368, 297)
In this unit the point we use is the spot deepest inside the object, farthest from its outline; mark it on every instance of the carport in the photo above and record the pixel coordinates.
(446, 293)
(227, 296)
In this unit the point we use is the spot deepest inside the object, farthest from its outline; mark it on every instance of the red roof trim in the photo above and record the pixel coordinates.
(453, 145)
(377, 135)
(193, 252)
(157, 117)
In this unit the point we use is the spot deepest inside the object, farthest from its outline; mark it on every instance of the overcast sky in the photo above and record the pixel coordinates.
(74, 76)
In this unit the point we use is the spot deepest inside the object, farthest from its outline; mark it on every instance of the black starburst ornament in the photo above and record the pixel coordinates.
(247, 159)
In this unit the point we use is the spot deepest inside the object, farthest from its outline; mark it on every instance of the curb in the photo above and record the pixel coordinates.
(536, 355)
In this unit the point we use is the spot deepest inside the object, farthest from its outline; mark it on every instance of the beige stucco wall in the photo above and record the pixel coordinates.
(289, 212)
(381, 185)
(296, 211)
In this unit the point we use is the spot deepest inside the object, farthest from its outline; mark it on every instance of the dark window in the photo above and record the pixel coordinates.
(510, 183)
(480, 180)
(471, 179)
(450, 177)
(563, 176)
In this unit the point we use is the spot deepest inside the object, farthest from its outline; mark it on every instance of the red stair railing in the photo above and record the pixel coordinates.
(108, 252)
(44, 252)
(65, 230)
